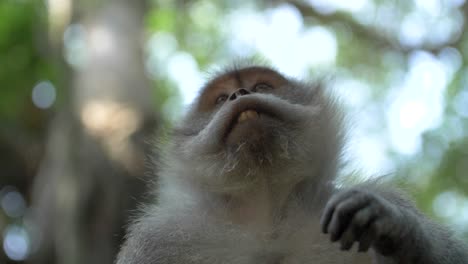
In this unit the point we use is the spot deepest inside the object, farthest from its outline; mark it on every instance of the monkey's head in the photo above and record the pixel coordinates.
(253, 123)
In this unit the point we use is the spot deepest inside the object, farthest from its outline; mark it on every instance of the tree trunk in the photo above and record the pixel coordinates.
(92, 172)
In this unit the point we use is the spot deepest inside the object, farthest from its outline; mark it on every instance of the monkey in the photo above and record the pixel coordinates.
(247, 178)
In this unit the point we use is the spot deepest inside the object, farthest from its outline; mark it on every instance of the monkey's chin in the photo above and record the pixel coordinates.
(252, 132)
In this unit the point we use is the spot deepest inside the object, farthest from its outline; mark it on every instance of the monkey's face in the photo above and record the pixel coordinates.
(254, 119)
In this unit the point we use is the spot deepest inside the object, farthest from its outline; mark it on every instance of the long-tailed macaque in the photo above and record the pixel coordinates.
(247, 178)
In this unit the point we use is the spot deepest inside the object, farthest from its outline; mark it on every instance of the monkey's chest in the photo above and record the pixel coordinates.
(320, 253)
(304, 244)
(296, 242)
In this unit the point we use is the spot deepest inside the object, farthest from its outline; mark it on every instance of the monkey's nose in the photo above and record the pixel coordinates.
(238, 92)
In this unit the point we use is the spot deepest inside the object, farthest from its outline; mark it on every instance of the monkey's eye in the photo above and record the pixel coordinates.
(261, 87)
(221, 99)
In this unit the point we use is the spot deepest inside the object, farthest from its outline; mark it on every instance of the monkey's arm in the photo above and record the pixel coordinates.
(391, 225)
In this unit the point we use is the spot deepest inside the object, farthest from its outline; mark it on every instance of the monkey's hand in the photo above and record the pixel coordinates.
(363, 216)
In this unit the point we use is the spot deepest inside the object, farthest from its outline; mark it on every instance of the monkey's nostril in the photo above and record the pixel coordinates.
(243, 91)
(232, 97)
(239, 92)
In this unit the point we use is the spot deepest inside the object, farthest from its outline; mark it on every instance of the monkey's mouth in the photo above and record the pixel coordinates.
(250, 119)
(245, 126)
(247, 115)
(243, 118)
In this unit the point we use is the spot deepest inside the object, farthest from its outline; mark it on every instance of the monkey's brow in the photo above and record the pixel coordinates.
(239, 75)
(231, 74)
(238, 78)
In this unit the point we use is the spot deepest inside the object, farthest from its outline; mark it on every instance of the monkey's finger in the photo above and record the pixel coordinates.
(365, 219)
(357, 227)
(326, 217)
(330, 209)
(362, 220)
(343, 215)
(366, 239)
(347, 239)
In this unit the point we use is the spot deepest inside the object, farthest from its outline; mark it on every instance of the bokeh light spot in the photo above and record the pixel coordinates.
(101, 40)
(460, 103)
(43, 94)
(445, 204)
(432, 7)
(12, 202)
(330, 6)
(281, 29)
(183, 70)
(419, 102)
(16, 243)
(413, 29)
(75, 48)
(454, 3)
(159, 48)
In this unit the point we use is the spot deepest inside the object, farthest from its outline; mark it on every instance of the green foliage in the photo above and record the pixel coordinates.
(23, 44)
(163, 19)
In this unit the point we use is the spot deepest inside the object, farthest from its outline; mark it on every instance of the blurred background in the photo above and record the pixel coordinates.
(85, 86)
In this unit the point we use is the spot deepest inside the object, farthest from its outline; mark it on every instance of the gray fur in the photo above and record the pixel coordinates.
(259, 201)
